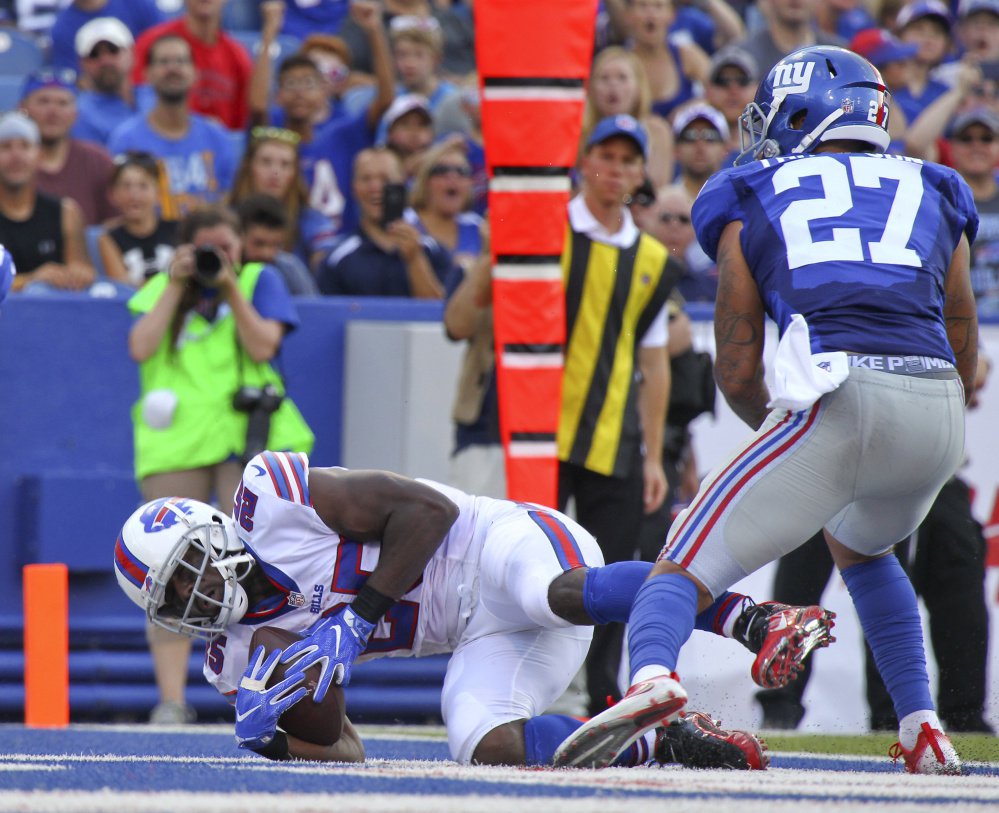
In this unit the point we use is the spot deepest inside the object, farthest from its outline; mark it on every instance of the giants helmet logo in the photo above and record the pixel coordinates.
(793, 77)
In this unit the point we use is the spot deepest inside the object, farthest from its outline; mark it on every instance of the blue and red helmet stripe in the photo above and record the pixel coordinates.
(130, 566)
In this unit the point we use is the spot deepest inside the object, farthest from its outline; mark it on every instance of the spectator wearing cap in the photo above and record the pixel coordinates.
(893, 58)
(453, 19)
(107, 97)
(47, 256)
(926, 24)
(67, 167)
(701, 134)
(611, 421)
(789, 25)
(731, 86)
(197, 157)
(135, 15)
(978, 30)
(617, 86)
(408, 130)
(673, 63)
(326, 150)
(974, 152)
(222, 65)
(383, 258)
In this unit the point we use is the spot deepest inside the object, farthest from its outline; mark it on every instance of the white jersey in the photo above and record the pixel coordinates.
(316, 571)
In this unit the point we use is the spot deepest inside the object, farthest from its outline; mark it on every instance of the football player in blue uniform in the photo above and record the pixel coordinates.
(861, 258)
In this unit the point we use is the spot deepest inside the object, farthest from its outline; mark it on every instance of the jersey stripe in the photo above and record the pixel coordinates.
(131, 568)
(299, 467)
(740, 472)
(294, 490)
(566, 549)
(278, 477)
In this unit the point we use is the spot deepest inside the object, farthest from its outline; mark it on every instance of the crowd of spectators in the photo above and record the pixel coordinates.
(146, 109)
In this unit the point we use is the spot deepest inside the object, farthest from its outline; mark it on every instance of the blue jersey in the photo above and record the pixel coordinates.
(857, 244)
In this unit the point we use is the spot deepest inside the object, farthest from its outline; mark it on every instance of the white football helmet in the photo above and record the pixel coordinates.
(175, 533)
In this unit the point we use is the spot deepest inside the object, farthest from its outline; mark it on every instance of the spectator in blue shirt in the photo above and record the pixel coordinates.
(107, 97)
(197, 157)
(383, 259)
(927, 24)
(136, 15)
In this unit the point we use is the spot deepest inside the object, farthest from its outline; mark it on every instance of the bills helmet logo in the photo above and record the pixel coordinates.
(163, 514)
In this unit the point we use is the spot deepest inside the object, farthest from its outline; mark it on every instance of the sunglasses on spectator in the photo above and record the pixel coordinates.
(985, 138)
(731, 81)
(109, 47)
(449, 169)
(670, 217)
(701, 134)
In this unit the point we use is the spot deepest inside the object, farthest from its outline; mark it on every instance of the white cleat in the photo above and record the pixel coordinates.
(932, 753)
(597, 743)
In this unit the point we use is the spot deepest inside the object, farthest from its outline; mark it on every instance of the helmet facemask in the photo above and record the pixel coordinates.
(200, 549)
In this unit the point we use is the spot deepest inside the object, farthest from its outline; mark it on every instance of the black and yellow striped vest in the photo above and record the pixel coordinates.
(611, 297)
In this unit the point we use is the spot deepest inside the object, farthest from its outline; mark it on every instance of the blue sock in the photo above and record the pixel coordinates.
(608, 591)
(661, 621)
(544, 734)
(713, 619)
(889, 615)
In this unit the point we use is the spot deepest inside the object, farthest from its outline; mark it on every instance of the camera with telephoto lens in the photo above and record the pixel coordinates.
(259, 403)
(208, 263)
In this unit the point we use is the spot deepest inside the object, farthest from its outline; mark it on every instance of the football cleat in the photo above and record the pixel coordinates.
(782, 636)
(694, 740)
(599, 741)
(932, 753)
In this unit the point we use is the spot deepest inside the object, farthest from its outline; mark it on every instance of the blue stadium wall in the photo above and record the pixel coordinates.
(67, 386)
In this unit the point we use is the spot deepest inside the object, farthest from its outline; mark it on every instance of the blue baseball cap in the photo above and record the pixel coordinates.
(911, 12)
(48, 78)
(615, 126)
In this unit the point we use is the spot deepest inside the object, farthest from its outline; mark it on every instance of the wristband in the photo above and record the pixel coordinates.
(276, 749)
(370, 604)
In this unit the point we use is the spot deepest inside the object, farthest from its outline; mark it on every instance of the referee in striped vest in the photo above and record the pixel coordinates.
(615, 384)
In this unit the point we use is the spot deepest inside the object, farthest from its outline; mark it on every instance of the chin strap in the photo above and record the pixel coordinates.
(820, 128)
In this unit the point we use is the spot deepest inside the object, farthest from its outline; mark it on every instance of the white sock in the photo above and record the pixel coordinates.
(649, 672)
(910, 726)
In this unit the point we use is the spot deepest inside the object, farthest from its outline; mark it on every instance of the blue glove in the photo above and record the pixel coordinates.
(334, 643)
(257, 707)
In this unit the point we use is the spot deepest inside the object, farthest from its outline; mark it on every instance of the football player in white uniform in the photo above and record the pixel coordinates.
(370, 564)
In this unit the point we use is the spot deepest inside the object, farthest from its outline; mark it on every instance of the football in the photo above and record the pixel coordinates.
(318, 723)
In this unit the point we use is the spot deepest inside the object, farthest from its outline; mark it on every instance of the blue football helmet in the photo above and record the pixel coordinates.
(815, 94)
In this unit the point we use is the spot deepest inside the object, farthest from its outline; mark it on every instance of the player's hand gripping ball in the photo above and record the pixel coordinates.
(318, 723)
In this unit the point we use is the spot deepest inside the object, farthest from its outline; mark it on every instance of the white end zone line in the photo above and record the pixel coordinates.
(817, 785)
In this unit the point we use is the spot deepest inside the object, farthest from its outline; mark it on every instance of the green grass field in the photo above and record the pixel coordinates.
(971, 747)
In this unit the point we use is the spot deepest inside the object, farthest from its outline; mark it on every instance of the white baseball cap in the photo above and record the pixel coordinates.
(103, 29)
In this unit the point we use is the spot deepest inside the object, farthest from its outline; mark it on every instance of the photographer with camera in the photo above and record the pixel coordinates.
(207, 330)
